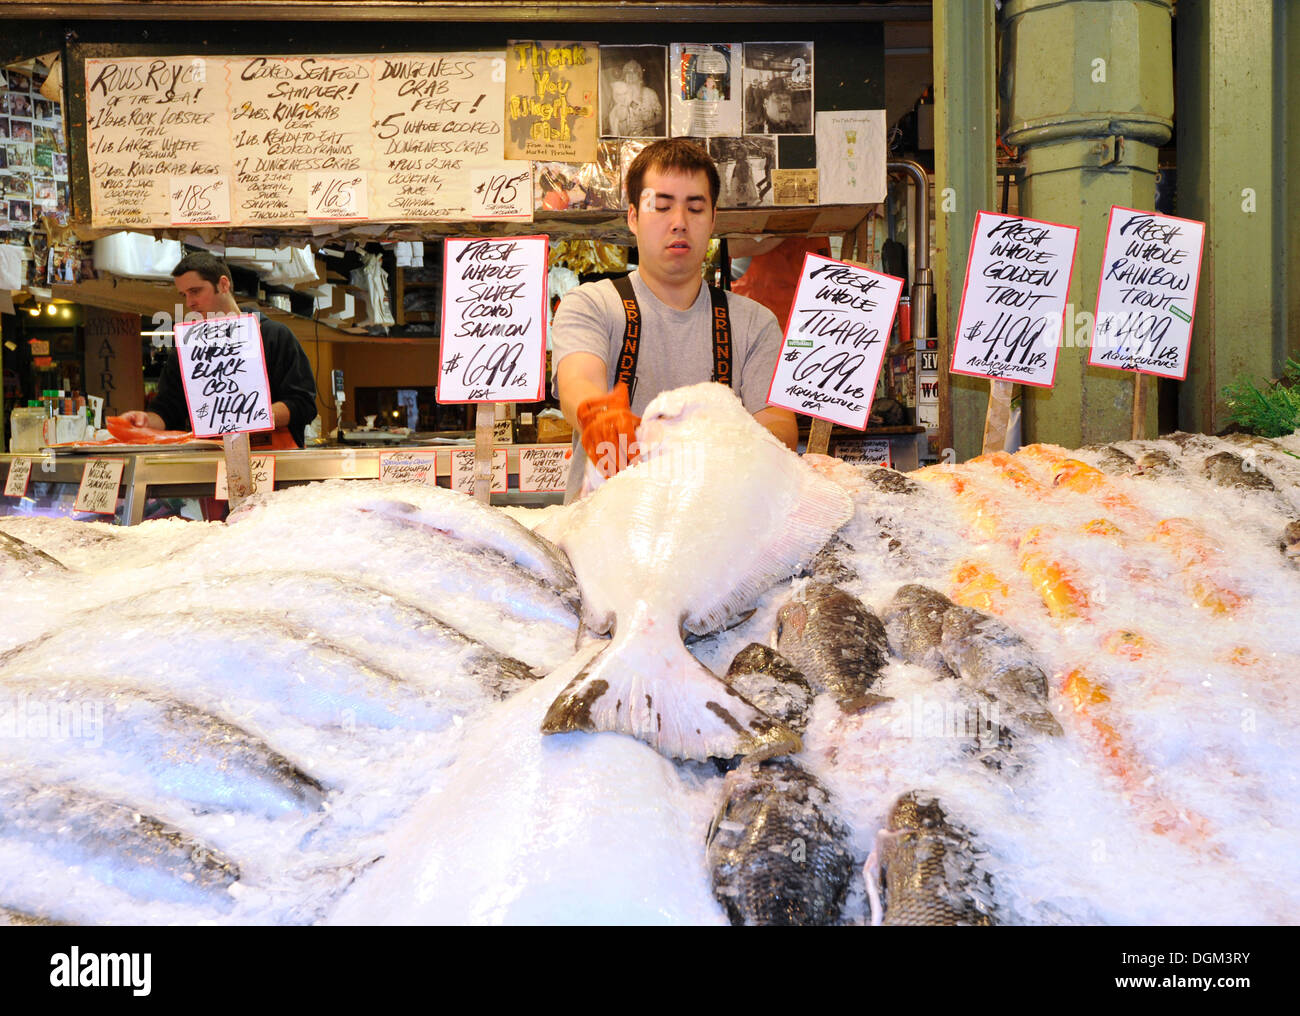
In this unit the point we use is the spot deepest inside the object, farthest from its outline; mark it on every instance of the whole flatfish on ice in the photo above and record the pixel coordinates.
(714, 512)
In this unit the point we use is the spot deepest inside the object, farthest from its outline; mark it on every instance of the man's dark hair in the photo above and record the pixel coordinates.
(209, 267)
(672, 155)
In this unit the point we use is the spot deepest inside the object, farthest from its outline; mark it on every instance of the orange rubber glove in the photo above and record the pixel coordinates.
(603, 419)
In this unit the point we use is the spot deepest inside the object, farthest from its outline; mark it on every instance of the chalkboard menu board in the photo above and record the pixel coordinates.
(291, 140)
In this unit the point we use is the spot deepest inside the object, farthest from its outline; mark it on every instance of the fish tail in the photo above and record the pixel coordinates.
(655, 691)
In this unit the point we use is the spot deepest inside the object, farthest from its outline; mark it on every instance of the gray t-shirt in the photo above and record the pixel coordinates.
(676, 346)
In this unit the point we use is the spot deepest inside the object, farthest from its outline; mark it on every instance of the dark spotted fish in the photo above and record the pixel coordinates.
(890, 481)
(1290, 542)
(1156, 463)
(914, 623)
(835, 641)
(998, 663)
(773, 684)
(1114, 461)
(777, 854)
(833, 563)
(928, 870)
(1185, 440)
(1228, 469)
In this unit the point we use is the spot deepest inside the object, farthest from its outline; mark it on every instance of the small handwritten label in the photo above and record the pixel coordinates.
(263, 468)
(493, 345)
(1013, 303)
(20, 469)
(223, 367)
(462, 470)
(408, 467)
(794, 186)
(99, 483)
(337, 196)
(502, 432)
(835, 341)
(200, 199)
(501, 194)
(1146, 300)
(543, 468)
(864, 451)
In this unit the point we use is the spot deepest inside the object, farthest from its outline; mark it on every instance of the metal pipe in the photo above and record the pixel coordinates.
(922, 278)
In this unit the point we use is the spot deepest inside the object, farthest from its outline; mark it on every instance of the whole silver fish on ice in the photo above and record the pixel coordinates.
(714, 512)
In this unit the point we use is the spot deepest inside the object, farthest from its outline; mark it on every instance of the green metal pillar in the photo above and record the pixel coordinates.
(1229, 112)
(1286, 57)
(965, 71)
(1088, 92)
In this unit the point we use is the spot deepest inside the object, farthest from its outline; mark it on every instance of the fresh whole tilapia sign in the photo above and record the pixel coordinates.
(714, 513)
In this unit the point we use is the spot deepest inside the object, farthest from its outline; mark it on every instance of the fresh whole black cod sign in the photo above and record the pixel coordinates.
(835, 341)
(1013, 305)
(1147, 296)
(223, 367)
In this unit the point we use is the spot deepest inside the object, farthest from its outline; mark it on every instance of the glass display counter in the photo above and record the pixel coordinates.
(170, 484)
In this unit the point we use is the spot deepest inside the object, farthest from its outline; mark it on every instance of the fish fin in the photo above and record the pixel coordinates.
(820, 509)
(871, 874)
(662, 695)
(867, 700)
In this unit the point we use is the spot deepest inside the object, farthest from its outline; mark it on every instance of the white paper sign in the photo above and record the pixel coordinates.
(543, 468)
(99, 482)
(462, 470)
(864, 451)
(493, 346)
(704, 89)
(223, 367)
(337, 196)
(851, 157)
(1147, 296)
(197, 200)
(502, 193)
(1013, 303)
(835, 341)
(263, 468)
(408, 467)
(20, 469)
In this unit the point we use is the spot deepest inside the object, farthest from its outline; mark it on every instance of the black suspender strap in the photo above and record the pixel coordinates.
(721, 337)
(626, 371)
(627, 357)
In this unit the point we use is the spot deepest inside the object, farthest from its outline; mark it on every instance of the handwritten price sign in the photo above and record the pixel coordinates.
(501, 194)
(543, 468)
(20, 470)
(99, 482)
(337, 196)
(263, 476)
(493, 345)
(835, 341)
(1013, 303)
(462, 470)
(1147, 296)
(223, 367)
(408, 467)
(200, 199)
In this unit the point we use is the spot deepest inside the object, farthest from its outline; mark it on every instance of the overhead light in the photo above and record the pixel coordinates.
(34, 311)
(50, 309)
(67, 311)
